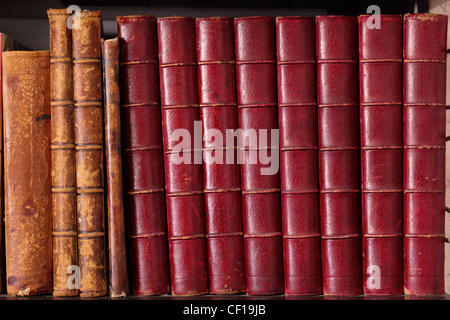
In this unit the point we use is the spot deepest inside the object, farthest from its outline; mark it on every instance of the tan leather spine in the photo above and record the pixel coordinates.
(118, 280)
(87, 82)
(64, 202)
(27, 156)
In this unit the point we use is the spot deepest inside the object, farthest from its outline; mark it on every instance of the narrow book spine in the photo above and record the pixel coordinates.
(143, 155)
(339, 154)
(64, 201)
(118, 276)
(260, 183)
(299, 170)
(221, 179)
(28, 204)
(424, 119)
(182, 155)
(88, 117)
(381, 113)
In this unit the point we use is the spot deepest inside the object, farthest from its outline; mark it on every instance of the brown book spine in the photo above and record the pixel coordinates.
(118, 279)
(64, 201)
(88, 115)
(27, 156)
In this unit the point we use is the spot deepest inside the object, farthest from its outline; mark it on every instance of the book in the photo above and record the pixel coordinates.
(299, 169)
(256, 79)
(437, 7)
(381, 113)
(118, 273)
(6, 44)
(182, 155)
(64, 200)
(143, 155)
(88, 117)
(339, 154)
(27, 161)
(424, 105)
(221, 179)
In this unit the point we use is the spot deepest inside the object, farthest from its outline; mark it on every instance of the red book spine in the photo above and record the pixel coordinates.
(142, 155)
(339, 154)
(261, 200)
(381, 112)
(424, 90)
(221, 179)
(299, 170)
(184, 177)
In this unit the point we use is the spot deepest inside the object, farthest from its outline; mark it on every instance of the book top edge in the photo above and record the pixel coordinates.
(134, 17)
(20, 53)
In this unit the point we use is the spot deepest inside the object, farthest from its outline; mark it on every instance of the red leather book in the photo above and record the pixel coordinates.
(182, 155)
(424, 90)
(261, 200)
(381, 111)
(143, 155)
(299, 170)
(339, 154)
(221, 180)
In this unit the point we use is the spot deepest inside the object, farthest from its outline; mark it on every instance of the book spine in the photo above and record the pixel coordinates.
(2, 182)
(143, 155)
(118, 279)
(339, 154)
(88, 117)
(182, 159)
(64, 201)
(381, 113)
(260, 183)
(27, 156)
(221, 179)
(424, 119)
(299, 170)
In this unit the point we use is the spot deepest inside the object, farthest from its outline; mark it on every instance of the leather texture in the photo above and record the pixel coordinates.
(64, 197)
(27, 156)
(257, 109)
(6, 44)
(88, 116)
(118, 274)
(339, 154)
(424, 72)
(221, 181)
(380, 61)
(299, 170)
(183, 181)
(143, 155)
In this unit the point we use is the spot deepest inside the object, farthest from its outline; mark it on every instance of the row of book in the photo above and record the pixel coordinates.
(319, 169)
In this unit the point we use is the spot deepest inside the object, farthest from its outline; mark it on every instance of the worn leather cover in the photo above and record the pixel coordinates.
(6, 44)
(339, 154)
(221, 181)
(64, 201)
(27, 156)
(118, 275)
(183, 181)
(380, 61)
(261, 201)
(88, 116)
(143, 155)
(299, 170)
(424, 72)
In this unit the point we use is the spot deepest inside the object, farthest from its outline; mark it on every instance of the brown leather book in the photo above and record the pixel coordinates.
(64, 201)
(6, 44)
(88, 115)
(27, 156)
(118, 279)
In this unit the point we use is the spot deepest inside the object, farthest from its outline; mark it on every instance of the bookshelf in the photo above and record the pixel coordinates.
(27, 22)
